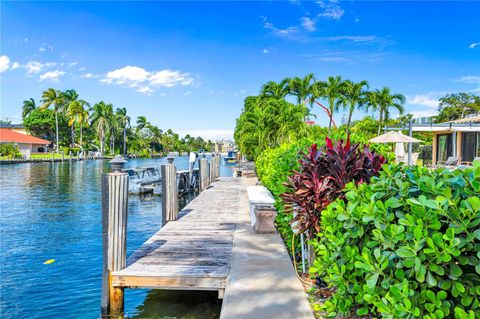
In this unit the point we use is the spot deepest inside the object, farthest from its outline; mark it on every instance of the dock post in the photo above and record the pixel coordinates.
(114, 235)
(53, 157)
(202, 173)
(219, 158)
(211, 170)
(70, 156)
(78, 156)
(169, 192)
(63, 156)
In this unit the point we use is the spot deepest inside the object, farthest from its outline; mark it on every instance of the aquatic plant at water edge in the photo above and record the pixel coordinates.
(322, 177)
(405, 246)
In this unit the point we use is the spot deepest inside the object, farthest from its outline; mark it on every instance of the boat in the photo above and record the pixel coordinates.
(231, 158)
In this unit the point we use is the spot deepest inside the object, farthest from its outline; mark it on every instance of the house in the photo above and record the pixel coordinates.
(27, 144)
(459, 138)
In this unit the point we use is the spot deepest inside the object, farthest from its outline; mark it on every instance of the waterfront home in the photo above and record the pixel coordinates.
(459, 138)
(26, 144)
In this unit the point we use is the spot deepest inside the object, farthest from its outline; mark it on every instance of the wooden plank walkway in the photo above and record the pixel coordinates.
(192, 253)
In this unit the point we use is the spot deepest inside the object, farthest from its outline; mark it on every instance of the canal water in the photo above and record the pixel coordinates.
(53, 211)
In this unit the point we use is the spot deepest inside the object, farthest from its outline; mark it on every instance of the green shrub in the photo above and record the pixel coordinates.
(9, 150)
(405, 246)
(74, 150)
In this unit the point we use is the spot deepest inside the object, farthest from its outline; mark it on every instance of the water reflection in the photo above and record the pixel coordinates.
(53, 211)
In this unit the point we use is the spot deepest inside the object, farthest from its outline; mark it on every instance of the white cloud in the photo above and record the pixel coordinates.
(89, 76)
(170, 78)
(308, 24)
(144, 81)
(34, 67)
(52, 75)
(187, 93)
(472, 79)
(41, 49)
(15, 65)
(331, 10)
(290, 32)
(72, 64)
(352, 38)
(81, 69)
(474, 45)
(357, 20)
(423, 100)
(265, 51)
(4, 63)
(145, 90)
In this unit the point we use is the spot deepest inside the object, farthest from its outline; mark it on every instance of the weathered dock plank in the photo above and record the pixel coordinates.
(193, 252)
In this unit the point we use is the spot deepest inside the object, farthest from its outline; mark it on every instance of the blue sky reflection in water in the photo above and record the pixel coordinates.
(53, 211)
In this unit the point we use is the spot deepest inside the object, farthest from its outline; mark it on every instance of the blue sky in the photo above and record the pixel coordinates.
(189, 65)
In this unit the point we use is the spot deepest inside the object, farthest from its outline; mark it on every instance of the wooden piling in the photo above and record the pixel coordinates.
(211, 170)
(53, 156)
(63, 156)
(217, 168)
(70, 156)
(202, 174)
(114, 233)
(169, 193)
(78, 156)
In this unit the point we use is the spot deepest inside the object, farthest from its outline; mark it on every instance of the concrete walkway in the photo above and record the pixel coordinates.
(262, 283)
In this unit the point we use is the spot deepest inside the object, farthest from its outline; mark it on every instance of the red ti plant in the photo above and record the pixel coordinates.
(322, 177)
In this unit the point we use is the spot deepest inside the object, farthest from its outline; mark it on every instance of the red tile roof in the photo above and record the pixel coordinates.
(9, 136)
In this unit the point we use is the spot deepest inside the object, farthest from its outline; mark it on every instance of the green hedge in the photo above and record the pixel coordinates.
(9, 151)
(405, 246)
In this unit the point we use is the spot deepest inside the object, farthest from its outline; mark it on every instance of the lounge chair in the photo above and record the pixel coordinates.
(452, 161)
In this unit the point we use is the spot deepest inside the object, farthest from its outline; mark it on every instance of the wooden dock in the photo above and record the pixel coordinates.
(193, 252)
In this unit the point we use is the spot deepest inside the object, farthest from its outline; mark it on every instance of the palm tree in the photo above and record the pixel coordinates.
(331, 91)
(383, 101)
(276, 90)
(352, 96)
(142, 123)
(78, 113)
(124, 120)
(302, 88)
(55, 98)
(100, 120)
(28, 107)
(71, 99)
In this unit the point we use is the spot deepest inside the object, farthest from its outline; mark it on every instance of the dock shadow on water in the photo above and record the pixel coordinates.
(178, 304)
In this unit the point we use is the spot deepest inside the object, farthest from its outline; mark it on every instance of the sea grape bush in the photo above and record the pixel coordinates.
(406, 245)
(322, 176)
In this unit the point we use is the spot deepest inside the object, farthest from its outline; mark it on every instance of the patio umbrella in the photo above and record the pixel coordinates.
(394, 137)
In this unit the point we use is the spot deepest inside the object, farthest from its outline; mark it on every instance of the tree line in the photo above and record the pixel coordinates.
(69, 121)
(269, 119)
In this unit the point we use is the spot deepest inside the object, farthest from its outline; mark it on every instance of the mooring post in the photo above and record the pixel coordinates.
(211, 171)
(114, 235)
(78, 156)
(169, 192)
(202, 173)
(63, 156)
(70, 156)
(53, 156)
(219, 159)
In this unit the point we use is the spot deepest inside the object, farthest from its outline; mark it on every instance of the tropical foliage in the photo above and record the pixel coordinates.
(72, 123)
(267, 122)
(457, 106)
(270, 119)
(322, 177)
(406, 245)
(9, 151)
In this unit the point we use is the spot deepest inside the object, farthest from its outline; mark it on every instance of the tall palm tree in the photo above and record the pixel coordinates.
(78, 113)
(352, 96)
(331, 91)
(100, 117)
(70, 98)
(124, 120)
(54, 98)
(276, 90)
(302, 88)
(382, 101)
(28, 107)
